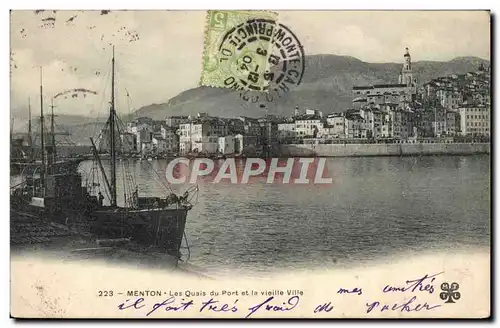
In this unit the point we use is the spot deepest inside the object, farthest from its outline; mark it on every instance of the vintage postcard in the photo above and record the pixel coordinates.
(250, 164)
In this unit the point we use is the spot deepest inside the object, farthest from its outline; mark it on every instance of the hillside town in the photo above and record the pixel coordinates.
(445, 109)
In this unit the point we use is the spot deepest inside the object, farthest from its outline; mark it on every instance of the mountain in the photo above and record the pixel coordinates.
(78, 128)
(326, 85)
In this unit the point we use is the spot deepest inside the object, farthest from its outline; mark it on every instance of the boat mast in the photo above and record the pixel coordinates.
(11, 129)
(98, 160)
(52, 132)
(42, 172)
(112, 132)
(30, 140)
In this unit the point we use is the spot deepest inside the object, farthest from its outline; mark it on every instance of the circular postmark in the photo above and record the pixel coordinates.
(264, 58)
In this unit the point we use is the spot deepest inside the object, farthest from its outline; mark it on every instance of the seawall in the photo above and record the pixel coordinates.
(403, 149)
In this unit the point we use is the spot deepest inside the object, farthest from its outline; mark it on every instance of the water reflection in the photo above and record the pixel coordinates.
(375, 207)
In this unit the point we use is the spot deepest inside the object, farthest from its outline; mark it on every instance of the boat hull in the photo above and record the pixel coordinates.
(158, 229)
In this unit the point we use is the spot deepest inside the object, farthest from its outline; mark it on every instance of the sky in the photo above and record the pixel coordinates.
(159, 53)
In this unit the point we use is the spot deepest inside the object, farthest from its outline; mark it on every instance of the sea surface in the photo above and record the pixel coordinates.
(376, 209)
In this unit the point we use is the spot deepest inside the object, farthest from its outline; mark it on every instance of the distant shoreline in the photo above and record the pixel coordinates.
(390, 149)
(339, 149)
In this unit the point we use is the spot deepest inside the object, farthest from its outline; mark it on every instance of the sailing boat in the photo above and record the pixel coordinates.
(155, 222)
(24, 158)
(19, 154)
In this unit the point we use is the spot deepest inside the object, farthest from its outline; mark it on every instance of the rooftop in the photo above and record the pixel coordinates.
(396, 85)
(354, 116)
(177, 117)
(307, 117)
(362, 87)
(359, 99)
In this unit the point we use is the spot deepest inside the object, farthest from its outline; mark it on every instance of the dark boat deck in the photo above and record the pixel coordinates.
(29, 230)
(31, 235)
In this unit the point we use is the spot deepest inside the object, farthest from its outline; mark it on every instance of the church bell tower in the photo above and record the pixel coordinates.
(406, 75)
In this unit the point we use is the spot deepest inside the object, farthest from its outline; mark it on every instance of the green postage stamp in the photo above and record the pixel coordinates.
(249, 50)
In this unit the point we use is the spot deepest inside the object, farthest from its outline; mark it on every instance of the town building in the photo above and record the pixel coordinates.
(128, 142)
(308, 126)
(406, 75)
(328, 132)
(286, 130)
(171, 138)
(144, 135)
(372, 116)
(139, 122)
(383, 93)
(444, 106)
(314, 112)
(247, 144)
(449, 98)
(146, 147)
(296, 111)
(424, 123)
(354, 126)
(194, 135)
(269, 130)
(398, 122)
(452, 123)
(456, 90)
(159, 144)
(184, 133)
(205, 145)
(337, 125)
(226, 145)
(400, 93)
(251, 126)
(475, 121)
(175, 120)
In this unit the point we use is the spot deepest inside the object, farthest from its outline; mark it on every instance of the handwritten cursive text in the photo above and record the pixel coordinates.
(407, 306)
(422, 284)
(268, 306)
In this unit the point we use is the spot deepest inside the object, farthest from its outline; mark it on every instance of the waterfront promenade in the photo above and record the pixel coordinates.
(382, 149)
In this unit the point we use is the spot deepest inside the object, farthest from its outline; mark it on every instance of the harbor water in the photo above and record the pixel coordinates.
(377, 209)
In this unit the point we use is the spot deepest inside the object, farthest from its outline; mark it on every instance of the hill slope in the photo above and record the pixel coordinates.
(326, 85)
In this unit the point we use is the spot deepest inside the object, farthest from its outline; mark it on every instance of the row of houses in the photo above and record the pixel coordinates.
(199, 134)
(206, 134)
(454, 105)
(147, 136)
(451, 105)
(389, 121)
(459, 90)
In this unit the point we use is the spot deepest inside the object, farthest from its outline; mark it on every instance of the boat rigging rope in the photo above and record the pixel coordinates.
(193, 195)
(131, 185)
(124, 186)
(167, 187)
(156, 175)
(126, 175)
(106, 76)
(129, 105)
(65, 137)
(187, 247)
